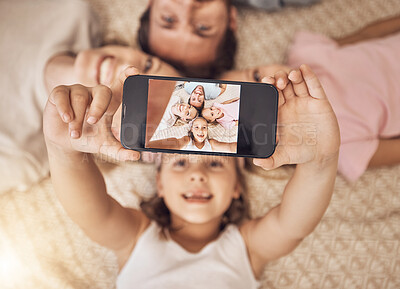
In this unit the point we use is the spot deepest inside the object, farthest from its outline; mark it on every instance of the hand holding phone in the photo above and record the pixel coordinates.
(78, 119)
(199, 116)
(308, 130)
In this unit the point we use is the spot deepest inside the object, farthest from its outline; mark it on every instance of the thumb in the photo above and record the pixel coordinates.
(278, 159)
(117, 88)
(116, 151)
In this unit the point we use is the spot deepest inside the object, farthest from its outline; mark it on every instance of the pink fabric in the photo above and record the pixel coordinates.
(362, 82)
(231, 113)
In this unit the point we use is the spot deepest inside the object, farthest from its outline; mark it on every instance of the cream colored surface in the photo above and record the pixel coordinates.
(25, 49)
(356, 245)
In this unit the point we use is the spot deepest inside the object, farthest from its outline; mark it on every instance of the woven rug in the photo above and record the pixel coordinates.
(356, 245)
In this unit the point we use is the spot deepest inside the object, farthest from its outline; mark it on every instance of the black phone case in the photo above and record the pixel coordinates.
(255, 139)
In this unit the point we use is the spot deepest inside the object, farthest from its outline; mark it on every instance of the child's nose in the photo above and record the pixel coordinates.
(198, 175)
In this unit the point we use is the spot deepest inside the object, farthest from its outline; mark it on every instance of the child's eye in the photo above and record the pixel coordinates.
(180, 163)
(216, 164)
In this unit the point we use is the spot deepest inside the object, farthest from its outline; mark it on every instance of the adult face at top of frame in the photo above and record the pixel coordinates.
(196, 36)
(196, 98)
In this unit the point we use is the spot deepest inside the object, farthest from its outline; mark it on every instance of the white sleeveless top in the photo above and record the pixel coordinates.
(191, 146)
(156, 263)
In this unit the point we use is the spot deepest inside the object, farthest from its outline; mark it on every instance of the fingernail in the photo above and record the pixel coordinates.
(66, 117)
(134, 157)
(92, 120)
(280, 82)
(74, 134)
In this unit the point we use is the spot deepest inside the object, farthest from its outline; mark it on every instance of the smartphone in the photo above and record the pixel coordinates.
(199, 116)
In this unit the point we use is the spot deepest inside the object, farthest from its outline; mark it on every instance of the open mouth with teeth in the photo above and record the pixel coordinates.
(201, 197)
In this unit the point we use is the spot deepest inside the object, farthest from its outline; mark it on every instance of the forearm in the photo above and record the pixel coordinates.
(233, 147)
(306, 198)
(387, 153)
(80, 187)
(231, 100)
(380, 28)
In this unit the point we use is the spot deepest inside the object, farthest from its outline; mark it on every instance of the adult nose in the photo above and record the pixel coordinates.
(186, 7)
(186, 11)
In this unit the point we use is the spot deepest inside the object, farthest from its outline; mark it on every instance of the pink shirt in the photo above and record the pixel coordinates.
(231, 113)
(362, 82)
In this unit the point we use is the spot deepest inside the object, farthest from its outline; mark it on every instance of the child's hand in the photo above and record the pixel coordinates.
(79, 119)
(307, 126)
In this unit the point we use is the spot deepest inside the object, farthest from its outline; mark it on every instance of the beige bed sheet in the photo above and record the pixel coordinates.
(356, 245)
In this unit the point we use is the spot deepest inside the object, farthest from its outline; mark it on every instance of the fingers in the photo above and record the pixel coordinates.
(313, 83)
(101, 99)
(271, 80)
(279, 158)
(79, 98)
(117, 88)
(60, 98)
(115, 150)
(302, 83)
(299, 84)
(149, 157)
(281, 81)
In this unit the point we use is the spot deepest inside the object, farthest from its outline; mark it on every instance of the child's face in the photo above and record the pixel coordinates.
(200, 129)
(197, 97)
(184, 111)
(197, 189)
(211, 113)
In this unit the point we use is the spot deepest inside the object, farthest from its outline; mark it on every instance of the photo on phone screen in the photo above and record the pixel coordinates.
(204, 116)
(184, 115)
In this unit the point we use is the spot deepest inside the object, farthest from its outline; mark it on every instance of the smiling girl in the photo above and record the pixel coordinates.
(196, 140)
(226, 113)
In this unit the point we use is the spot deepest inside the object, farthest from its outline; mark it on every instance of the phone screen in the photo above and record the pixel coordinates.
(199, 116)
(207, 114)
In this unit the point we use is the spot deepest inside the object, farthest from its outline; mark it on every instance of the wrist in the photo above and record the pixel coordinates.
(321, 162)
(63, 155)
